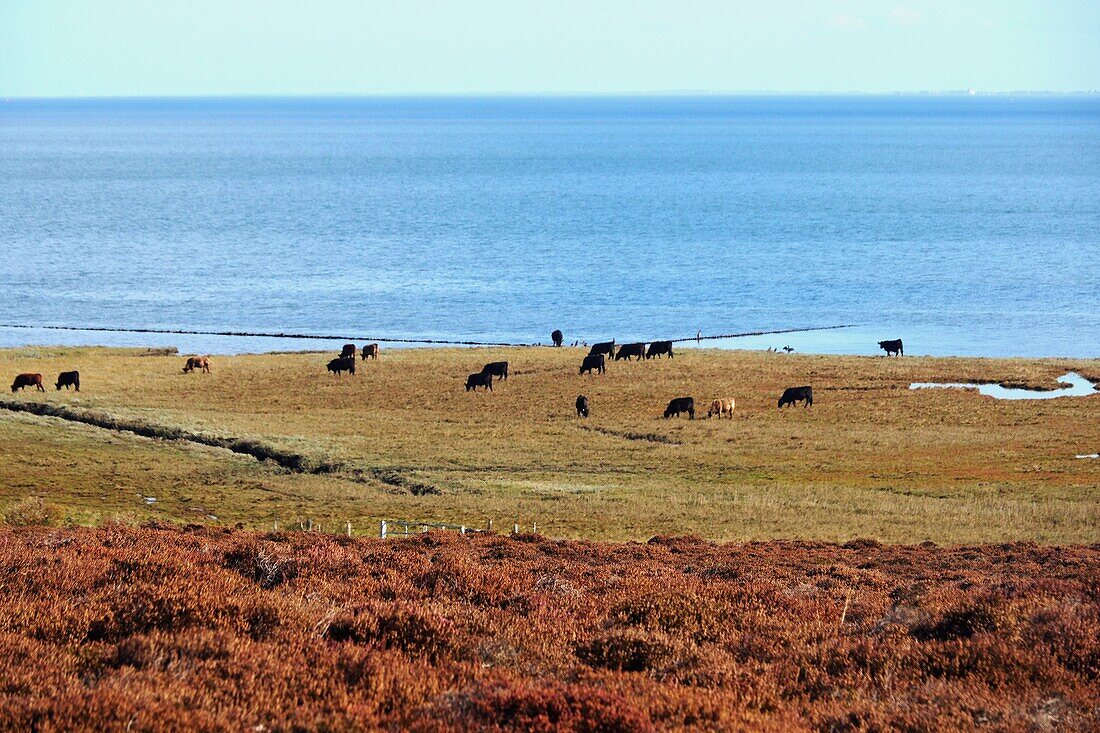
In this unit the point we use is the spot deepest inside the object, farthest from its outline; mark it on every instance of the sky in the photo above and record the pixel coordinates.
(62, 48)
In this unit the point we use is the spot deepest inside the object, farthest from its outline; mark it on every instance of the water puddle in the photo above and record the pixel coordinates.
(1088, 455)
(1078, 386)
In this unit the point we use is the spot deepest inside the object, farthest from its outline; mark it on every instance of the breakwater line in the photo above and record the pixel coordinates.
(345, 337)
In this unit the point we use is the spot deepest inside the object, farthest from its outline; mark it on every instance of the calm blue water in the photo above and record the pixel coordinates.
(963, 225)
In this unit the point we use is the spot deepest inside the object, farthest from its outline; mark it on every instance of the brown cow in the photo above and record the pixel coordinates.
(370, 350)
(27, 380)
(348, 352)
(721, 407)
(197, 362)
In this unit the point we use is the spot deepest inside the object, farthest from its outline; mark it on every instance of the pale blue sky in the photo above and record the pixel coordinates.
(214, 47)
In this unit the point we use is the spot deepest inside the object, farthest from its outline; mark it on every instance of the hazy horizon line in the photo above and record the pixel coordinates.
(565, 94)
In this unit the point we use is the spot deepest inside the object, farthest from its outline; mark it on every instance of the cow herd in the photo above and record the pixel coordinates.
(595, 362)
(346, 361)
(64, 379)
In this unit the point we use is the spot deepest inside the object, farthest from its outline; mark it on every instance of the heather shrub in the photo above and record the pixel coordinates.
(544, 709)
(630, 651)
(159, 627)
(673, 611)
(261, 563)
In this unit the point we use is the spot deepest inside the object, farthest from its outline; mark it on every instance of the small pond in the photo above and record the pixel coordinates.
(1078, 386)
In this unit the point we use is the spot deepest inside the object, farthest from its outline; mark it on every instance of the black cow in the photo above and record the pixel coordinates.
(628, 350)
(659, 347)
(892, 347)
(604, 347)
(582, 406)
(342, 364)
(480, 379)
(498, 369)
(681, 404)
(68, 379)
(797, 394)
(594, 361)
(348, 352)
(557, 337)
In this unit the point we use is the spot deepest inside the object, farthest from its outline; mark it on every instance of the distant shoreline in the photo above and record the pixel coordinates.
(659, 94)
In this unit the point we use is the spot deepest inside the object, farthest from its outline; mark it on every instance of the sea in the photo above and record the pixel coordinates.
(964, 225)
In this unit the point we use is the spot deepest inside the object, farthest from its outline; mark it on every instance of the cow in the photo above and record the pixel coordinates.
(197, 362)
(348, 352)
(604, 347)
(342, 364)
(594, 361)
(370, 350)
(721, 407)
(659, 347)
(68, 379)
(680, 404)
(797, 394)
(27, 380)
(582, 406)
(479, 379)
(557, 337)
(498, 369)
(628, 350)
(892, 347)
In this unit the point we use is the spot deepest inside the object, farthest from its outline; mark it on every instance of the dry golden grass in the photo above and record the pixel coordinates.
(870, 458)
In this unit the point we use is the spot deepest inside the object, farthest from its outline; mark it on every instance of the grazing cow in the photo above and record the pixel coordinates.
(582, 406)
(371, 351)
(594, 361)
(348, 352)
(797, 394)
(68, 379)
(27, 380)
(480, 379)
(498, 369)
(892, 347)
(604, 347)
(681, 404)
(659, 347)
(628, 350)
(557, 337)
(197, 362)
(721, 407)
(342, 364)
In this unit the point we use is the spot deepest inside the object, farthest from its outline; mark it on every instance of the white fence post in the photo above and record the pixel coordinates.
(349, 529)
(382, 526)
(515, 529)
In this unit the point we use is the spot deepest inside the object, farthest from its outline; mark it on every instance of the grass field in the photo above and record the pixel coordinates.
(205, 629)
(871, 458)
